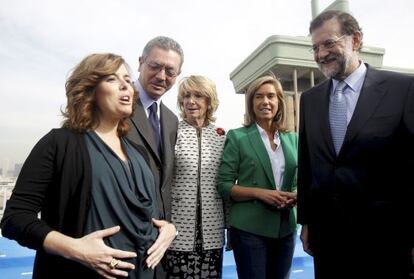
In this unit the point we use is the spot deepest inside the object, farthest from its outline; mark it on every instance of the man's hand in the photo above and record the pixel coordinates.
(305, 240)
(167, 233)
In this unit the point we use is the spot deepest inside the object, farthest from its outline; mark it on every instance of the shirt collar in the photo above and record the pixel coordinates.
(263, 134)
(354, 80)
(146, 100)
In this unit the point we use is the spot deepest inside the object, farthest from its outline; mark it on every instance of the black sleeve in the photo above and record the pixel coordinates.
(20, 220)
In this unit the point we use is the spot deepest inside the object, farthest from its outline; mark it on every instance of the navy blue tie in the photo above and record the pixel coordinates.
(337, 116)
(155, 124)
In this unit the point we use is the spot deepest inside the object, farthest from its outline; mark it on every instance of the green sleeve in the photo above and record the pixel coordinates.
(229, 167)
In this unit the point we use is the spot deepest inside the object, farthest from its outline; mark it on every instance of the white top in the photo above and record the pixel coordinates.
(277, 158)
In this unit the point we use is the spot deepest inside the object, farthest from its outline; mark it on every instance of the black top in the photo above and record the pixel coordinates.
(56, 181)
(124, 196)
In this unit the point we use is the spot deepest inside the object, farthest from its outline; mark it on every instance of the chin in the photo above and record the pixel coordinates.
(126, 114)
(327, 72)
(156, 91)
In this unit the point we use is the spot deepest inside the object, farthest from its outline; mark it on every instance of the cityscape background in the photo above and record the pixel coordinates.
(41, 41)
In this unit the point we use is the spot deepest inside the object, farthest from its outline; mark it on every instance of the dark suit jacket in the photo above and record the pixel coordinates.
(141, 133)
(369, 186)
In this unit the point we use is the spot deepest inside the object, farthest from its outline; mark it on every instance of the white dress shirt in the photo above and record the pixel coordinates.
(277, 158)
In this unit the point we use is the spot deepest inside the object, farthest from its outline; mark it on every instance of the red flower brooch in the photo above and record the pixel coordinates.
(220, 131)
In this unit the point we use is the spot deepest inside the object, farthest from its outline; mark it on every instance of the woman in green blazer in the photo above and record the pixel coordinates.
(257, 177)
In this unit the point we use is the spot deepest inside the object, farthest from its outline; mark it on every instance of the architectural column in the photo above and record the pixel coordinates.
(296, 98)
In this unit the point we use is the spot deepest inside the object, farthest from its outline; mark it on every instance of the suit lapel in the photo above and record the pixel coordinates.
(167, 128)
(140, 120)
(320, 107)
(371, 94)
(260, 150)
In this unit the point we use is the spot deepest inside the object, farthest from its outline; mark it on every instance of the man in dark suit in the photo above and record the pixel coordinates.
(356, 150)
(154, 126)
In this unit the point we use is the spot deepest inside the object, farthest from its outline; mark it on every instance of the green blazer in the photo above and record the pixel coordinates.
(245, 162)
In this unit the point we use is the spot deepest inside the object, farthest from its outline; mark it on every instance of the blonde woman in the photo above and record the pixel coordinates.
(197, 209)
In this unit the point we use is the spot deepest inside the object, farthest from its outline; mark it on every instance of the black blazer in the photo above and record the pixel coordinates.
(371, 178)
(141, 133)
(56, 181)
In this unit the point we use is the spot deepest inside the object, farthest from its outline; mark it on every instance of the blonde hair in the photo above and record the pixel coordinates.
(205, 87)
(80, 114)
(280, 117)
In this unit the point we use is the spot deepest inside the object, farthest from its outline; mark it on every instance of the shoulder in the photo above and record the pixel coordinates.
(182, 125)
(59, 145)
(241, 132)
(170, 116)
(320, 87)
(387, 75)
(61, 136)
(289, 137)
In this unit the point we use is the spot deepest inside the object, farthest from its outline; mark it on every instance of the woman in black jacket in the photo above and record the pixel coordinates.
(92, 187)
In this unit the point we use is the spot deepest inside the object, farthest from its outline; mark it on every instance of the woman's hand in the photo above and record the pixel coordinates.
(167, 233)
(291, 198)
(92, 252)
(280, 199)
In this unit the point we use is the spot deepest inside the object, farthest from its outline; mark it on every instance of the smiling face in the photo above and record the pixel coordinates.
(158, 71)
(195, 108)
(265, 103)
(114, 96)
(340, 59)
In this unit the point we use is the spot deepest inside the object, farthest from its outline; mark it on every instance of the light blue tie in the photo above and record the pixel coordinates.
(337, 116)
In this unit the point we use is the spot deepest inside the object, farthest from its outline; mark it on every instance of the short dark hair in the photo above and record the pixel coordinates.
(164, 43)
(349, 25)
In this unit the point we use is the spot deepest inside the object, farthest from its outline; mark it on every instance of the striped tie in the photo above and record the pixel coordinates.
(337, 116)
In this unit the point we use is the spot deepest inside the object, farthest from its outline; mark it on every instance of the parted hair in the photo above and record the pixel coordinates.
(205, 87)
(280, 117)
(80, 114)
(349, 25)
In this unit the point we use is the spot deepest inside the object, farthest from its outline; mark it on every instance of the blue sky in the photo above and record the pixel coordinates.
(41, 41)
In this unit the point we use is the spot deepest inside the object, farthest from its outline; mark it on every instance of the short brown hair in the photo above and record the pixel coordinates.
(205, 87)
(280, 117)
(80, 114)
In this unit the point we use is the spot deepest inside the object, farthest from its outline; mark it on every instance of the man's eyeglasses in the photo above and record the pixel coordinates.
(156, 68)
(328, 44)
